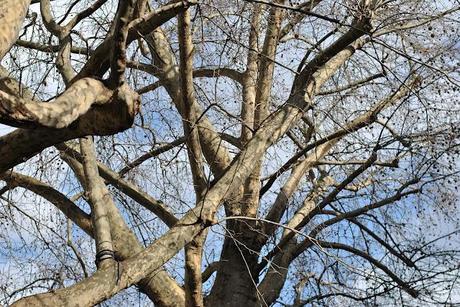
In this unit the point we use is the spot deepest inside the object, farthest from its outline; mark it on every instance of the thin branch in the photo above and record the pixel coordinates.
(151, 154)
(404, 285)
(298, 10)
(145, 200)
(351, 85)
(66, 206)
(51, 48)
(362, 121)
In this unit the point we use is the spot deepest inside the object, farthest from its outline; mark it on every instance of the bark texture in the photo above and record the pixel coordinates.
(281, 161)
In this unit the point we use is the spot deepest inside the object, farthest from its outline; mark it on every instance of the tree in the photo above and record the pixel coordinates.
(282, 153)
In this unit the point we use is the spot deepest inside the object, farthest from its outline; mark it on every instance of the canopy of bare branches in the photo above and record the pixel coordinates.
(242, 153)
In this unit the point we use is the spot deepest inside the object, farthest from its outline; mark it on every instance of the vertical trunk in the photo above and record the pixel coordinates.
(98, 195)
(250, 78)
(240, 250)
(193, 281)
(236, 280)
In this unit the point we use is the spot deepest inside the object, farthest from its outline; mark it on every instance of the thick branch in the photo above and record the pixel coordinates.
(12, 16)
(60, 113)
(189, 119)
(98, 196)
(20, 145)
(250, 77)
(266, 65)
(193, 250)
(70, 210)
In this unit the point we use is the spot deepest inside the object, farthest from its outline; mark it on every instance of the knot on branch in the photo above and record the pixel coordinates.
(130, 98)
(111, 117)
(207, 217)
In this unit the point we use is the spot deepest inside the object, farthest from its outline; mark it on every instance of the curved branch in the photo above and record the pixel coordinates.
(70, 210)
(405, 286)
(210, 269)
(21, 144)
(63, 111)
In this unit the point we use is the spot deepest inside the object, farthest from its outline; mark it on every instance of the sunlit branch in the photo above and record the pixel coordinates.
(97, 196)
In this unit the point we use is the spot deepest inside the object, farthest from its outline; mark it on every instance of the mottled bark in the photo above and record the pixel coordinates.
(253, 247)
(158, 286)
(98, 195)
(115, 116)
(60, 113)
(12, 14)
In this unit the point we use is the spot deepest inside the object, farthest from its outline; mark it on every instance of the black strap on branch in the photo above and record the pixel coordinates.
(104, 255)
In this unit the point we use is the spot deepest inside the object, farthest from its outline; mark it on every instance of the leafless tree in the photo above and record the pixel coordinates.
(244, 153)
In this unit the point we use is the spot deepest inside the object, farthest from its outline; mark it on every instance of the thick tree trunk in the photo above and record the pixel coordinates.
(236, 281)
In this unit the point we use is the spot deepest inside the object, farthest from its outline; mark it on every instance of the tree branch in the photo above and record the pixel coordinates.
(98, 195)
(405, 286)
(60, 113)
(120, 39)
(11, 19)
(65, 205)
(151, 204)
